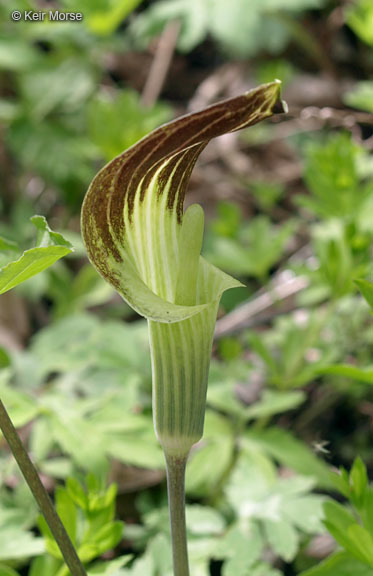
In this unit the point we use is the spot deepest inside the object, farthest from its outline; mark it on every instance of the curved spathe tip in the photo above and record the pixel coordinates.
(133, 211)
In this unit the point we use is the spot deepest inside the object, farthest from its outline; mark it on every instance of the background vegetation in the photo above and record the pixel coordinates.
(289, 206)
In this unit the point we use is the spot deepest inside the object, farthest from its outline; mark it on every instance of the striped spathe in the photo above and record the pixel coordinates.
(132, 219)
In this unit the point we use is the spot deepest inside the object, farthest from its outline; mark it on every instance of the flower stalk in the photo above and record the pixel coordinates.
(40, 494)
(175, 467)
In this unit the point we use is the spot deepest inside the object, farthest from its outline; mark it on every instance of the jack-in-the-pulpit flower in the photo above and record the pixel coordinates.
(141, 241)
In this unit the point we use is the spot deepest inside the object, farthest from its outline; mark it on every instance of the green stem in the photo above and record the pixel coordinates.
(176, 505)
(40, 494)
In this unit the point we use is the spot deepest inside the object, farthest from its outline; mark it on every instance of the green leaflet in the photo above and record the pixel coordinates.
(50, 247)
(366, 288)
(140, 241)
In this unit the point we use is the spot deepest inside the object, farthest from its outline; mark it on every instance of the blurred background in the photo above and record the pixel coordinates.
(289, 210)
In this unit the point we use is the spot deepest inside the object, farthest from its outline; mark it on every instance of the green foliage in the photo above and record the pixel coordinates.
(101, 362)
(88, 516)
(275, 68)
(246, 249)
(351, 528)
(260, 503)
(359, 16)
(280, 507)
(349, 371)
(56, 122)
(229, 348)
(340, 564)
(63, 87)
(73, 293)
(17, 514)
(337, 175)
(333, 177)
(343, 253)
(103, 17)
(216, 450)
(117, 123)
(366, 288)
(17, 544)
(49, 148)
(50, 247)
(294, 351)
(262, 27)
(267, 194)
(284, 448)
(272, 402)
(205, 527)
(361, 96)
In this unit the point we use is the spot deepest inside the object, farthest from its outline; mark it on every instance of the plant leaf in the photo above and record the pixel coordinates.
(363, 543)
(16, 543)
(366, 288)
(283, 538)
(361, 96)
(291, 452)
(339, 564)
(275, 402)
(104, 22)
(50, 247)
(348, 371)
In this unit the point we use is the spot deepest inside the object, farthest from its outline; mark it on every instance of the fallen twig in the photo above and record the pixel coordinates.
(247, 314)
(161, 63)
